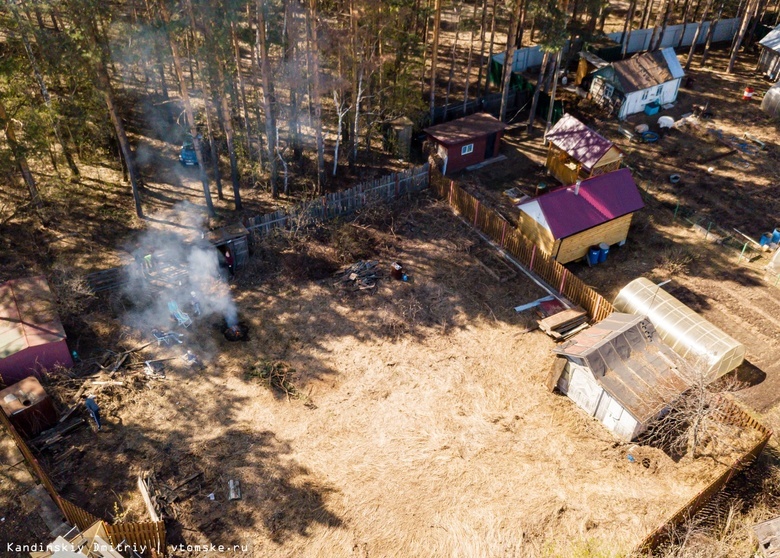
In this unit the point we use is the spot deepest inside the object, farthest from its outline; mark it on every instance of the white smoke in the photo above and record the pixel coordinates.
(174, 271)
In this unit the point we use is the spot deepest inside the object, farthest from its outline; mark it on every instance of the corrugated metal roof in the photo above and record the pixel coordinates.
(627, 358)
(647, 70)
(600, 199)
(465, 129)
(578, 141)
(673, 63)
(772, 40)
(28, 317)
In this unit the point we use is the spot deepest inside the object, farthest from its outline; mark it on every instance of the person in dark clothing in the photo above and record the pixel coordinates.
(93, 409)
(195, 303)
(229, 261)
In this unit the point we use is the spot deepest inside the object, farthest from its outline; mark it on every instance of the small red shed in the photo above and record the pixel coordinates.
(31, 335)
(28, 407)
(467, 141)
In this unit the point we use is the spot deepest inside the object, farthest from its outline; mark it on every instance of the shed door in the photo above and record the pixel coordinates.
(490, 147)
(613, 415)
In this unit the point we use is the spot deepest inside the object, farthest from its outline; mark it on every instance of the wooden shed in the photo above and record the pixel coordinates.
(466, 141)
(32, 338)
(626, 87)
(28, 407)
(769, 61)
(576, 152)
(566, 221)
(235, 238)
(621, 373)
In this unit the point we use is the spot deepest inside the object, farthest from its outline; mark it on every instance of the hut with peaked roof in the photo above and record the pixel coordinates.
(576, 152)
(31, 335)
(466, 141)
(621, 373)
(567, 221)
(626, 87)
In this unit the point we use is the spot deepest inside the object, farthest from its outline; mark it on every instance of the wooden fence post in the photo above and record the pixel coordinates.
(563, 279)
(452, 189)
(533, 256)
(476, 214)
(503, 234)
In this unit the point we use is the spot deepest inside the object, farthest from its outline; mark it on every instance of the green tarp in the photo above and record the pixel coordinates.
(517, 81)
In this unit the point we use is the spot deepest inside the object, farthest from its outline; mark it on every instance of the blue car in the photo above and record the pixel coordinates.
(188, 157)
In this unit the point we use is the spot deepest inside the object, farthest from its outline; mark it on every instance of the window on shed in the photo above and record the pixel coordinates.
(466, 149)
(608, 91)
(659, 91)
(645, 94)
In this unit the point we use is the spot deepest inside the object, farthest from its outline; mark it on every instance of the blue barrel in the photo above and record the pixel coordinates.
(593, 255)
(776, 236)
(603, 251)
(765, 239)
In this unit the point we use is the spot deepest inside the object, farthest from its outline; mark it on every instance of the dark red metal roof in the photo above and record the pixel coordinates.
(465, 129)
(600, 199)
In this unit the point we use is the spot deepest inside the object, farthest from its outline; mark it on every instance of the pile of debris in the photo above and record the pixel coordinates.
(159, 497)
(359, 276)
(564, 324)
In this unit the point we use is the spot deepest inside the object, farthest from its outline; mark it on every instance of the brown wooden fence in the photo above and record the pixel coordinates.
(146, 535)
(504, 234)
(733, 415)
(569, 285)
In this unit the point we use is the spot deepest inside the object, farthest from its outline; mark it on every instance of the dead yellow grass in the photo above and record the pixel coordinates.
(431, 436)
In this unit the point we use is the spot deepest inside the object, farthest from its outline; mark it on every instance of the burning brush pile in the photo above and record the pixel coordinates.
(239, 331)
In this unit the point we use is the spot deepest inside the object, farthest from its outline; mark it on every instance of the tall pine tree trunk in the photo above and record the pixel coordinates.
(435, 54)
(228, 126)
(537, 90)
(625, 37)
(490, 51)
(185, 95)
(482, 45)
(44, 92)
(242, 89)
(704, 16)
(750, 12)
(314, 60)
(509, 58)
(710, 34)
(18, 153)
(261, 52)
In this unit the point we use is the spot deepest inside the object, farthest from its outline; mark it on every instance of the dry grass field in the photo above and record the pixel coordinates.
(421, 427)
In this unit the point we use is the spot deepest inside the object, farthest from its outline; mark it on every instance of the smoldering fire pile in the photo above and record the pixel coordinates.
(176, 280)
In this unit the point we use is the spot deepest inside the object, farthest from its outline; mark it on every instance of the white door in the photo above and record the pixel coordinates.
(613, 415)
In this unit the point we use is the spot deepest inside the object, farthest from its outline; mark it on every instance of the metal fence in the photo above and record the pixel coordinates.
(639, 41)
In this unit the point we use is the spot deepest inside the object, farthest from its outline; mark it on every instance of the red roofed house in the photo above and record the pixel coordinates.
(31, 335)
(568, 220)
(467, 141)
(578, 152)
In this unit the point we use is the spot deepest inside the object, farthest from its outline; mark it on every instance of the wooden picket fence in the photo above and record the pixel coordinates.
(345, 202)
(147, 535)
(729, 413)
(569, 285)
(505, 235)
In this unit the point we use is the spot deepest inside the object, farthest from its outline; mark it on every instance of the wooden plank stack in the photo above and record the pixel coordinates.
(564, 324)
